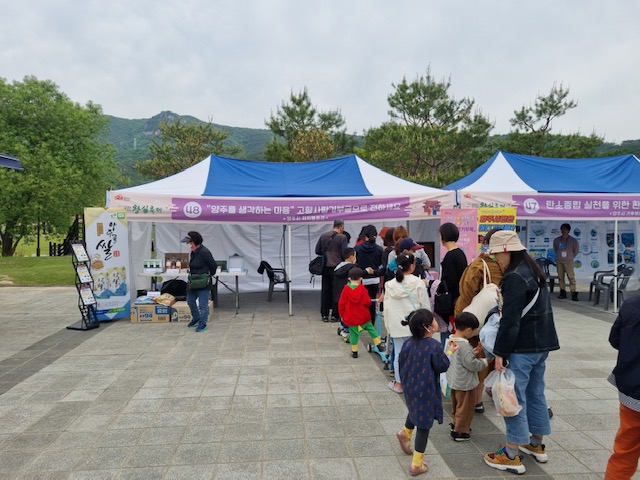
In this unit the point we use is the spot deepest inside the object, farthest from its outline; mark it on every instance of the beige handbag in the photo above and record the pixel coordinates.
(486, 299)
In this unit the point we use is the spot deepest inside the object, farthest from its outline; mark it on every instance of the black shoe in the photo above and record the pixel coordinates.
(453, 427)
(479, 408)
(334, 320)
(574, 296)
(563, 294)
(354, 354)
(325, 318)
(460, 437)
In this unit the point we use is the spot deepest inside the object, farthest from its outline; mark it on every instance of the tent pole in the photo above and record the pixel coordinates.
(289, 267)
(615, 265)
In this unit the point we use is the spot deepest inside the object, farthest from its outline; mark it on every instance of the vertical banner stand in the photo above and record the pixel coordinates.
(84, 285)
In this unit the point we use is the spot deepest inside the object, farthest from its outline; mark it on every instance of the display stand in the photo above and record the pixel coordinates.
(84, 285)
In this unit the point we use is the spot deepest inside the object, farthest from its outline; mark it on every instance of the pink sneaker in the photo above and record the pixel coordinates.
(413, 471)
(405, 442)
(395, 386)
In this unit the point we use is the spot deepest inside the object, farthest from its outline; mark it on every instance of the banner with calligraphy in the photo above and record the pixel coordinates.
(166, 208)
(466, 219)
(107, 243)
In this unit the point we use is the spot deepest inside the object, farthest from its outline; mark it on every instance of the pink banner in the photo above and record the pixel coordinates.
(149, 207)
(466, 219)
(578, 206)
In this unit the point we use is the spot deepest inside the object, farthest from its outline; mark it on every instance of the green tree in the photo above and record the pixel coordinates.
(532, 129)
(182, 145)
(431, 135)
(302, 133)
(67, 163)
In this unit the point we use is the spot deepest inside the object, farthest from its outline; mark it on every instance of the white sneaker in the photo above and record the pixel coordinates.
(536, 452)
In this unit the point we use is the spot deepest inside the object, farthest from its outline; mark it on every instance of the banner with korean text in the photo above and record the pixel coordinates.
(107, 243)
(466, 219)
(489, 218)
(163, 208)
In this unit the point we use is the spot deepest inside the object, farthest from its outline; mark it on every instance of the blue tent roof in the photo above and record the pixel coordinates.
(10, 162)
(619, 174)
(229, 177)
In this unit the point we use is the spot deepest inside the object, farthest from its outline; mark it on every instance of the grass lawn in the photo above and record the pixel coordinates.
(38, 270)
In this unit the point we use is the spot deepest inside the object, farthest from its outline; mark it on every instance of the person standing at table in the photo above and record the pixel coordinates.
(331, 245)
(566, 248)
(201, 262)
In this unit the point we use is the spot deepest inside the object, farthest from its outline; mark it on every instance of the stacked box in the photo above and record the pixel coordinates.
(150, 314)
(180, 312)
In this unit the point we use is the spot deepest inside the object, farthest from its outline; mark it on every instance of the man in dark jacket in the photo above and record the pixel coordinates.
(625, 337)
(201, 262)
(370, 260)
(331, 244)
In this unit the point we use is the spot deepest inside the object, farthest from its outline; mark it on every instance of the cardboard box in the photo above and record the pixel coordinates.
(150, 314)
(180, 312)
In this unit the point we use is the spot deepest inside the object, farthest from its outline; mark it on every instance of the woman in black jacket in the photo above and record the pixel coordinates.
(526, 335)
(201, 262)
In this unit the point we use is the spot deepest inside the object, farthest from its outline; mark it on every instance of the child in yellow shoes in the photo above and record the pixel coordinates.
(421, 361)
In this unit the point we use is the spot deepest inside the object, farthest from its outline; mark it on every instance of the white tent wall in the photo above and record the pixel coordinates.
(256, 243)
(140, 238)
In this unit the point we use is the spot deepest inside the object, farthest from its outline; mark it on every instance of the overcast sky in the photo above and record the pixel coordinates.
(234, 61)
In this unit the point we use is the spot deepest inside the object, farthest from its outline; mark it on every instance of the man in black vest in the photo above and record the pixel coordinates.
(331, 245)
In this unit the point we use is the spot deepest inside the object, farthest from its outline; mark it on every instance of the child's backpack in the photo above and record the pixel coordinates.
(432, 288)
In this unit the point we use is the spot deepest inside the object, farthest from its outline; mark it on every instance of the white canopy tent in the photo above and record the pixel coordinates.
(605, 189)
(256, 208)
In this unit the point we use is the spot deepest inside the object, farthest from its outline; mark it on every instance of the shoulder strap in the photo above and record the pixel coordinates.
(326, 247)
(531, 303)
(485, 272)
(408, 294)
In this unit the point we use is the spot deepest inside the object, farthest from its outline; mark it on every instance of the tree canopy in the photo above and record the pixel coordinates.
(430, 135)
(532, 129)
(182, 145)
(67, 163)
(302, 133)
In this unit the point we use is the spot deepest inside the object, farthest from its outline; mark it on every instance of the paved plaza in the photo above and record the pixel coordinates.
(258, 395)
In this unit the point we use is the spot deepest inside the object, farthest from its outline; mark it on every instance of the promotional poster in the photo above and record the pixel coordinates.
(107, 243)
(596, 239)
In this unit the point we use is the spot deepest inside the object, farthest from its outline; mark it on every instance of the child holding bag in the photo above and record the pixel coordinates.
(421, 360)
(463, 376)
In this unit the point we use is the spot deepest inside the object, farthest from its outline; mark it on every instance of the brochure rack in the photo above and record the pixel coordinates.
(84, 285)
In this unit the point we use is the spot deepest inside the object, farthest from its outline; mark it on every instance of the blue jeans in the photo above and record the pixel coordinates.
(528, 369)
(397, 347)
(199, 310)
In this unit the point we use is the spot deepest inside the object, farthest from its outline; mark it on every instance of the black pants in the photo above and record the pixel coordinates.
(422, 436)
(373, 293)
(326, 296)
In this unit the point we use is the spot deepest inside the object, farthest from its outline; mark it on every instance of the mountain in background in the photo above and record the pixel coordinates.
(131, 139)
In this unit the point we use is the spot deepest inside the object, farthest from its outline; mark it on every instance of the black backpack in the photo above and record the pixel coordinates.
(176, 287)
(443, 303)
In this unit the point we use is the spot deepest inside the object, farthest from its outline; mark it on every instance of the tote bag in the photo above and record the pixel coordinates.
(485, 300)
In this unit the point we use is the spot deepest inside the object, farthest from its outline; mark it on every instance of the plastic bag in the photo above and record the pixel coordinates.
(445, 387)
(489, 332)
(503, 392)
(165, 299)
